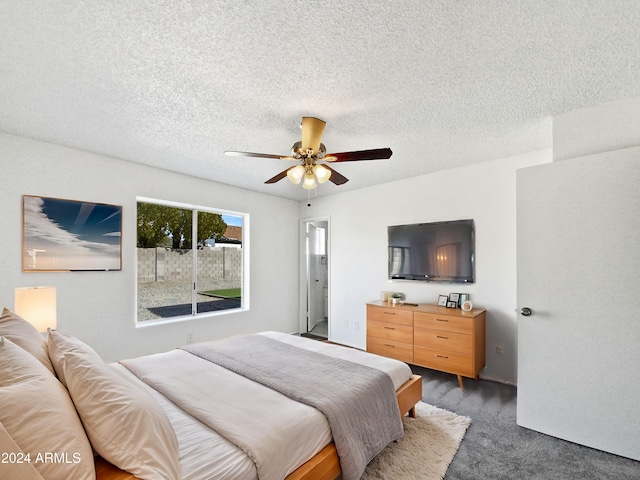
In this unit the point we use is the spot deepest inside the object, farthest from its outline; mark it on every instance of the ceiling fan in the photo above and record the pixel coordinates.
(309, 152)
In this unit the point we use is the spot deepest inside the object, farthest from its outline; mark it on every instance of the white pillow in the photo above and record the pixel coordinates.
(25, 335)
(125, 425)
(36, 411)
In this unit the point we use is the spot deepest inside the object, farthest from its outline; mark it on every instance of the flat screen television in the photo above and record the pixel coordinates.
(439, 251)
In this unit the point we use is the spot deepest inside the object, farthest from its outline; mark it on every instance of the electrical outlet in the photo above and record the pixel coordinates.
(189, 337)
(499, 350)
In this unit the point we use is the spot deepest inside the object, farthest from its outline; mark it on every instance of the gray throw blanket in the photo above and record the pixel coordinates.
(359, 402)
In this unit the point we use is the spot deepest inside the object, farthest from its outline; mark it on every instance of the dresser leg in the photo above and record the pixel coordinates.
(460, 382)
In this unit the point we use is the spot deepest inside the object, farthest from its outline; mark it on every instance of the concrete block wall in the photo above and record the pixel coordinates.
(160, 264)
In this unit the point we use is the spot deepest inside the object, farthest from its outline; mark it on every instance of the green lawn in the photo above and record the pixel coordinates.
(224, 293)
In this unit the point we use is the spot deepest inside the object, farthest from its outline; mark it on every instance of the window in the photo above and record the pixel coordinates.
(191, 261)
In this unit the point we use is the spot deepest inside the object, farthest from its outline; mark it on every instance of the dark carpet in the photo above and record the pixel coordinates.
(496, 448)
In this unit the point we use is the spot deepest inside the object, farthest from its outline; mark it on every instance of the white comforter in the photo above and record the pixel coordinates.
(245, 408)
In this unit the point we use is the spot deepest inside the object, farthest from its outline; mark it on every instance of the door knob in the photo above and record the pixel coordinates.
(525, 311)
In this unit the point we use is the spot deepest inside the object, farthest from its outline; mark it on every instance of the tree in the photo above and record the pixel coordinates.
(210, 225)
(152, 225)
(159, 224)
(179, 226)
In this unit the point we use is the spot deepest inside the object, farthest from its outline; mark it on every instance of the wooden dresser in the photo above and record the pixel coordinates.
(445, 339)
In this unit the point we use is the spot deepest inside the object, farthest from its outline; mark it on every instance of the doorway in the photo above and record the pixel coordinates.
(315, 276)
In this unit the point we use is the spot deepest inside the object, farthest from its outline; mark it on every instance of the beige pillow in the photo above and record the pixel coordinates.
(13, 464)
(126, 426)
(25, 335)
(36, 411)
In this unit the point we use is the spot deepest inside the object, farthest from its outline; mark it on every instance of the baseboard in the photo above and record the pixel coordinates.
(497, 380)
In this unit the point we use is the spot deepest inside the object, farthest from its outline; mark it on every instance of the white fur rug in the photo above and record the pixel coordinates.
(424, 453)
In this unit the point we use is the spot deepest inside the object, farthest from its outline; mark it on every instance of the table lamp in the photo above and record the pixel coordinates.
(37, 305)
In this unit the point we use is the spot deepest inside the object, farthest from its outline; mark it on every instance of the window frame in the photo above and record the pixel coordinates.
(245, 299)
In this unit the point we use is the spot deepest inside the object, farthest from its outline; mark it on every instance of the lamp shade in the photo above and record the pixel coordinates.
(37, 305)
(322, 173)
(309, 180)
(296, 173)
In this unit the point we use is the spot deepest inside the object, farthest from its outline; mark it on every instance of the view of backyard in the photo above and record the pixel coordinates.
(167, 285)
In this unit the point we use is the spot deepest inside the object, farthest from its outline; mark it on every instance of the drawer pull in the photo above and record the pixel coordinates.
(389, 313)
(440, 336)
(441, 320)
(441, 356)
(389, 328)
(387, 345)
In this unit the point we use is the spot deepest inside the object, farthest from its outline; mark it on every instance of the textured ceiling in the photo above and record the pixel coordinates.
(443, 83)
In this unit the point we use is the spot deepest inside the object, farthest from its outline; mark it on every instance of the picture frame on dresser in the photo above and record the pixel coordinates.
(463, 297)
(442, 300)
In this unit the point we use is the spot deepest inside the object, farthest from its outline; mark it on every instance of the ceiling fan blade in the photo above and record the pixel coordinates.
(336, 177)
(375, 154)
(251, 154)
(312, 129)
(278, 177)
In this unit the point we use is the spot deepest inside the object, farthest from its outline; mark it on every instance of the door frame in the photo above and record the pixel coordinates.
(303, 273)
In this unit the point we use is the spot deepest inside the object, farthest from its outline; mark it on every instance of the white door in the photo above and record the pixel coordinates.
(578, 241)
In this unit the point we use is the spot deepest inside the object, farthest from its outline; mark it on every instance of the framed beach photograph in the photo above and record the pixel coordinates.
(442, 300)
(70, 235)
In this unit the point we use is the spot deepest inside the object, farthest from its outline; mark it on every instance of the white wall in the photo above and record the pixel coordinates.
(602, 128)
(99, 307)
(358, 247)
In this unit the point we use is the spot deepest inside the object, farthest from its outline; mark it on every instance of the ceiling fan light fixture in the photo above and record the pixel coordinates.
(310, 150)
(309, 180)
(322, 173)
(296, 173)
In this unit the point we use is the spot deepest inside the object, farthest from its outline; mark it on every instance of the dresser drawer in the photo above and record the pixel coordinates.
(390, 331)
(443, 361)
(390, 348)
(448, 323)
(390, 315)
(445, 341)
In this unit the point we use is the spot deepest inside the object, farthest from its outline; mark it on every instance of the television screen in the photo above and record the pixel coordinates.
(440, 251)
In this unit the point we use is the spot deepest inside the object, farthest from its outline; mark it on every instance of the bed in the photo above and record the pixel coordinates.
(174, 442)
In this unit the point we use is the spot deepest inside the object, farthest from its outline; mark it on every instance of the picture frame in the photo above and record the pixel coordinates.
(454, 297)
(463, 297)
(442, 300)
(452, 305)
(62, 235)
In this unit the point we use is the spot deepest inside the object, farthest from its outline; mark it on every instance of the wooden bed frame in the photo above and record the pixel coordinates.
(325, 465)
